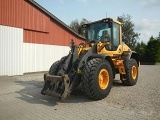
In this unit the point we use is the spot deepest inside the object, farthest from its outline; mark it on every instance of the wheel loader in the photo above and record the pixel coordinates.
(94, 63)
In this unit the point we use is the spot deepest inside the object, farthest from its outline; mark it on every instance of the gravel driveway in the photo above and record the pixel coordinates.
(20, 99)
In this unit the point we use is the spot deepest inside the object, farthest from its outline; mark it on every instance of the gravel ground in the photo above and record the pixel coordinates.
(20, 99)
(144, 97)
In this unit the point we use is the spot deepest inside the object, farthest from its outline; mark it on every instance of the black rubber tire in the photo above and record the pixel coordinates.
(54, 68)
(90, 78)
(130, 81)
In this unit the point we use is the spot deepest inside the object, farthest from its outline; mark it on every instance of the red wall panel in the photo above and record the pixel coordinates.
(38, 26)
(57, 35)
(36, 37)
(19, 13)
(61, 35)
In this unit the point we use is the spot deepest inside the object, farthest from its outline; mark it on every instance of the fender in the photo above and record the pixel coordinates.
(127, 58)
(90, 56)
(85, 56)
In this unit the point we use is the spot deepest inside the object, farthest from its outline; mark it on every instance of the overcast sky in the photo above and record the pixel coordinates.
(145, 14)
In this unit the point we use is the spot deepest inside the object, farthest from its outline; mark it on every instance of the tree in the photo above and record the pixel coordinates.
(129, 36)
(152, 51)
(159, 36)
(75, 24)
(140, 49)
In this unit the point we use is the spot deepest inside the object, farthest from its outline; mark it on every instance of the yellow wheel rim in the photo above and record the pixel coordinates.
(103, 79)
(134, 72)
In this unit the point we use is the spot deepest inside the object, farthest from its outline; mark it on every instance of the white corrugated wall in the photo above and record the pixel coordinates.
(17, 57)
(11, 50)
(39, 57)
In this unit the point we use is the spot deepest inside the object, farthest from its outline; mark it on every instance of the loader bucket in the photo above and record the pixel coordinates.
(56, 86)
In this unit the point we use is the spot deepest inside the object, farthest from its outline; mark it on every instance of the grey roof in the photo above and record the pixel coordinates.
(54, 17)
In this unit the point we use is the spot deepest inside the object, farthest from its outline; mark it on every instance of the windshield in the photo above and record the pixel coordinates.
(99, 32)
(102, 31)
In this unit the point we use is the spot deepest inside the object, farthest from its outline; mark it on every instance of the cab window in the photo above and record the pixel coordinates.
(116, 36)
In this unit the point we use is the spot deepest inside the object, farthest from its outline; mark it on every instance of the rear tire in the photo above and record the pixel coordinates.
(97, 78)
(131, 73)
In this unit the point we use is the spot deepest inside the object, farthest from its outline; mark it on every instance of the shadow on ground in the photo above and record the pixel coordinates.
(31, 93)
(118, 83)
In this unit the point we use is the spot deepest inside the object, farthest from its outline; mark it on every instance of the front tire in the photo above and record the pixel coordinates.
(97, 78)
(55, 66)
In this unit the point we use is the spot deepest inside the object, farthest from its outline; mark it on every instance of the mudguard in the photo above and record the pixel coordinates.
(127, 58)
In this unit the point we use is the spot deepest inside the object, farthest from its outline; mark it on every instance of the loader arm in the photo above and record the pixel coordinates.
(59, 83)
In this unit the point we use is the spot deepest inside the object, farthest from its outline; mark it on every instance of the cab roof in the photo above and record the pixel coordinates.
(105, 20)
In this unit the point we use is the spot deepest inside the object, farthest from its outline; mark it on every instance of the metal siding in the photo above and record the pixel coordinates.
(39, 57)
(38, 27)
(36, 37)
(35, 19)
(58, 35)
(35, 48)
(21, 14)
(11, 51)
(17, 57)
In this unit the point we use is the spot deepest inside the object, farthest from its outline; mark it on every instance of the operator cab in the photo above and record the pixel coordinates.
(105, 30)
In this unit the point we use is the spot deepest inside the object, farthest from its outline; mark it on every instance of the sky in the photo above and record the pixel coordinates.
(145, 14)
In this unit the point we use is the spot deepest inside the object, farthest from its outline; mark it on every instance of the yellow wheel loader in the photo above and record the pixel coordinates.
(93, 64)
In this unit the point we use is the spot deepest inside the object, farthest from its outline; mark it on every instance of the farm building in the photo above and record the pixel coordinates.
(31, 38)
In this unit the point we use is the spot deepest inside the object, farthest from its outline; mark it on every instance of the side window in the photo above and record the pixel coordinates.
(116, 35)
(91, 35)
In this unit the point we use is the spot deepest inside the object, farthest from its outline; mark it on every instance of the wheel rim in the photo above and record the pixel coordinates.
(134, 72)
(103, 79)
